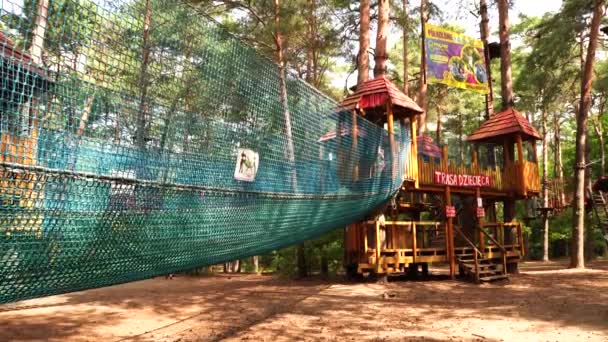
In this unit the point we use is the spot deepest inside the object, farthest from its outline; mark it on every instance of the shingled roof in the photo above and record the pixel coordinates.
(509, 122)
(376, 92)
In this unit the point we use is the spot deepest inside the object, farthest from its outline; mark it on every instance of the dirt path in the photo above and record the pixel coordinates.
(543, 303)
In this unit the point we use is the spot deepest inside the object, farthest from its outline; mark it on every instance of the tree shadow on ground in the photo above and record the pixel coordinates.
(260, 307)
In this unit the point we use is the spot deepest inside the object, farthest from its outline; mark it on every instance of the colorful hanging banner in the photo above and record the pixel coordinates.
(455, 60)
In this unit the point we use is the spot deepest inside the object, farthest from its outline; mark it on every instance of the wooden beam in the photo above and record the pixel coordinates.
(451, 256)
(391, 139)
(414, 150)
(475, 161)
(414, 242)
(522, 165)
(506, 153)
(481, 224)
(448, 202)
(378, 247)
(354, 146)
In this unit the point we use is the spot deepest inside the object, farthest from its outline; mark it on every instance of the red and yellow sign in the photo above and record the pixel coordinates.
(461, 180)
(450, 211)
(455, 60)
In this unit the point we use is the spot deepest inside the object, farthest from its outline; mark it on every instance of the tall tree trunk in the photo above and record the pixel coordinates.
(545, 189)
(485, 34)
(301, 261)
(256, 264)
(505, 54)
(38, 35)
(406, 62)
(311, 37)
(577, 258)
(460, 138)
(363, 58)
(142, 114)
(380, 56)
(283, 91)
(558, 164)
(423, 86)
(599, 130)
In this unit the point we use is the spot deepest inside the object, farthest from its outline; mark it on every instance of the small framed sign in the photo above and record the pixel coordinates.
(246, 165)
(479, 202)
(450, 211)
(481, 212)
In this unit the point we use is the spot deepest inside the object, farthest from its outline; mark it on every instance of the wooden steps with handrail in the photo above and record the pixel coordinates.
(600, 207)
(476, 266)
(486, 269)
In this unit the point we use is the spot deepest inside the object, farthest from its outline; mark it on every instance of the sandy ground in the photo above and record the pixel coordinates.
(542, 303)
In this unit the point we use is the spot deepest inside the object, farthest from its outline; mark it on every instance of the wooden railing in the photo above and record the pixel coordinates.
(16, 183)
(476, 252)
(509, 179)
(531, 176)
(410, 168)
(500, 246)
(498, 232)
(18, 188)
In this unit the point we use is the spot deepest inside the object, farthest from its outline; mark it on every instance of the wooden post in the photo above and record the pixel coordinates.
(475, 162)
(414, 242)
(480, 222)
(391, 139)
(522, 165)
(365, 242)
(340, 153)
(353, 150)
(414, 150)
(444, 158)
(520, 237)
(448, 202)
(447, 241)
(378, 243)
(501, 233)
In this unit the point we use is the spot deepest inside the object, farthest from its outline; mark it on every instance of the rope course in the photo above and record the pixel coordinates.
(140, 138)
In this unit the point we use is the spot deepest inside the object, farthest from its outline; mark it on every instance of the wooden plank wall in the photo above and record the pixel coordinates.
(19, 189)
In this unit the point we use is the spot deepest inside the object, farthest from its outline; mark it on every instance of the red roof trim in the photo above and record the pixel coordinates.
(507, 122)
(380, 88)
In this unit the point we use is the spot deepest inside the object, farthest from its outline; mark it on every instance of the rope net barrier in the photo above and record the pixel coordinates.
(140, 138)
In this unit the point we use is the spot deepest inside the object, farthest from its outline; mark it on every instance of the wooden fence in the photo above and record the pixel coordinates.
(510, 179)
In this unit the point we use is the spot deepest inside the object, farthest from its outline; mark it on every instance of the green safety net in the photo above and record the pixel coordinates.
(141, 138)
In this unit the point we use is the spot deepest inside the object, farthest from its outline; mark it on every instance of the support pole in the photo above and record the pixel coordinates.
(414, 242)
(414, 150)
(354, 146)
(480, 221)
(391, 139)
(449, 220)
(451, 254)
(522, 166)
(378, 244)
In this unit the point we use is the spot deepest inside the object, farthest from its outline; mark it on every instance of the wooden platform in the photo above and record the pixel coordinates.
(392, 246)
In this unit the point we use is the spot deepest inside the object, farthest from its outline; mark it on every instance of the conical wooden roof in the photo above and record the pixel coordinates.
(505, 124)
(376, 93)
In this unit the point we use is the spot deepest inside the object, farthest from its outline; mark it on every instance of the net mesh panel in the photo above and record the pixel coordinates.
(120, 142)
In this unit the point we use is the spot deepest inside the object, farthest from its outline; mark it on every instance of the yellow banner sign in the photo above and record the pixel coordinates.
(455, 60)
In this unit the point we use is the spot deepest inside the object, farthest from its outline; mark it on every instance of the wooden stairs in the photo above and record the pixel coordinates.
(480, 269)
(601, 212)
(477, 267)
